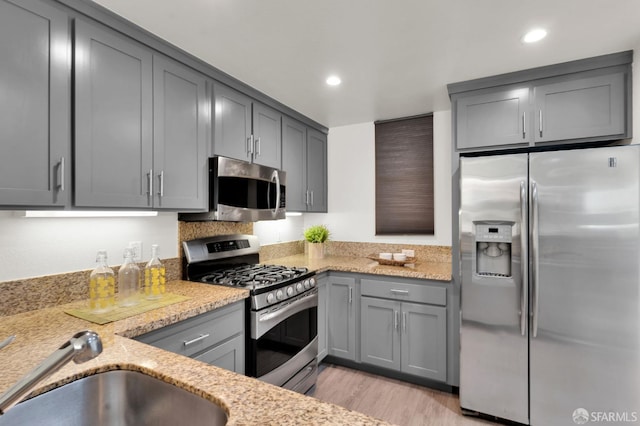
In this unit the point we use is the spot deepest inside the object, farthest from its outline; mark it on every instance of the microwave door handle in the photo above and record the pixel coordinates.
(276, 177)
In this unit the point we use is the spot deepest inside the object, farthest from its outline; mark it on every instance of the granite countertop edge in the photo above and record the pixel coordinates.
(246, 400)
(423, 269)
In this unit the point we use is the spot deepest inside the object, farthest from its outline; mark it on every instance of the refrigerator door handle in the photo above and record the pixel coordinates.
(524, 256)
(535, 249)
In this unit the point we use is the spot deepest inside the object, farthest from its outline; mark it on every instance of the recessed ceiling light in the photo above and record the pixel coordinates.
(534, 35)
(333, 80)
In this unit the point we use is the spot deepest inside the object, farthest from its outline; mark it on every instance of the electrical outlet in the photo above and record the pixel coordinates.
(137, 250)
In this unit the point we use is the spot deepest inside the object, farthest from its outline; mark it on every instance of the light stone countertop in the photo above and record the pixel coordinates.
(440, 271)
(246, 400)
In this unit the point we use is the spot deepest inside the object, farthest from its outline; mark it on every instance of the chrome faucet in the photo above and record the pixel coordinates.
(82, 347)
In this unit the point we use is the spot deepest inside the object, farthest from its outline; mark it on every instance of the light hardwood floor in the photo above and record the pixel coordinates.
(390, 400)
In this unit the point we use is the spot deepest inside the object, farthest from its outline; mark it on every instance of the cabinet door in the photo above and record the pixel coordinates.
(267, 135)
(341, 318)
(35, 72)
(180, 136)
(379, 332)
(493, 119)
(424, 341)
(317, 170)
(113, 119)
(591, 107)
(294, 163)
(228, 355)
(322, 318)
(232, 123)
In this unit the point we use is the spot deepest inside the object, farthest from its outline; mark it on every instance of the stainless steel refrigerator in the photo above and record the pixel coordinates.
(550, 299)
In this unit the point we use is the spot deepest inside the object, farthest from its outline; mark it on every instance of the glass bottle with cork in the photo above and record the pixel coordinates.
(154, 276)
(102, 285)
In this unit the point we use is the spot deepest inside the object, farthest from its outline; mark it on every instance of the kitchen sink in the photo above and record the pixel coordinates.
(118, 397)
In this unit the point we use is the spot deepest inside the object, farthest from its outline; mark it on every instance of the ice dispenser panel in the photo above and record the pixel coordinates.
(493, 249)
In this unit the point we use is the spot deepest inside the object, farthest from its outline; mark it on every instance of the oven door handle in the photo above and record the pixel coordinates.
(262, 323)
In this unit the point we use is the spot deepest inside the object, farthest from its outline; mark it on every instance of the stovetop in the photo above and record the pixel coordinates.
(255, 277)
(233, 260)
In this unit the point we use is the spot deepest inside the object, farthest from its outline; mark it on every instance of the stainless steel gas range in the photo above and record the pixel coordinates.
(282, 309)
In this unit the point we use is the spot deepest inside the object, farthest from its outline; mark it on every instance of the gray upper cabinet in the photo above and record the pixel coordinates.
(35, 148)
(181, 116)
(141, 126)
(267, 135)
(581, 108)
(113, 125)
(232, 123)
(304, 158)
(294, 162)
(246, 129)
(317, 171)
(493, 118)
(580, 101)
(341, 317)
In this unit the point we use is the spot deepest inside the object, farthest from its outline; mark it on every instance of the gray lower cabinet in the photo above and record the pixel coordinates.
(401, 329)
(245, 129)
(341, 317)
(304, 158)
(141, 126)
(323, 291)
(216, 337)
(35, 135)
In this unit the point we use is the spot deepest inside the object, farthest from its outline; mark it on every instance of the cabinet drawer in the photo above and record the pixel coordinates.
(419, 293)
(196, 334)
(228, 355)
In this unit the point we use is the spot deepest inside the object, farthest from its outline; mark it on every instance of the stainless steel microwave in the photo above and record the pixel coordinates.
(242, 192)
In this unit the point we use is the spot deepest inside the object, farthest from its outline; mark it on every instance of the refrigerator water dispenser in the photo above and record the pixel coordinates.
(493, 249)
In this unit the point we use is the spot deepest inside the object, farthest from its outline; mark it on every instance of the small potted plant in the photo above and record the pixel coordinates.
(316, 236)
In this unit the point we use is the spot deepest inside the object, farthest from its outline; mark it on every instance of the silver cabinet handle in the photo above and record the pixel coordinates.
(256, 149)
(404, 322)
(61, 172)
(524, 125)
(306, 197)
(395, 320)
(350, 295)
(197, 339)
(161, 192)
(250, 146)
(311, 192)
(535, 251)
(400, 292)
(524, 256)
(540, 122)
(150, 182)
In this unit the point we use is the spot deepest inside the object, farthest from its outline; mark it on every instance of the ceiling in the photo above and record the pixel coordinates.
(395, 58)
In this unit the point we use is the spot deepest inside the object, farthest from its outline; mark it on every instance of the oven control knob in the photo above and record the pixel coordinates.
(279, 295)
(289, 291)
(312, 282)
(271, 298)
(307, 284)
(299, 287)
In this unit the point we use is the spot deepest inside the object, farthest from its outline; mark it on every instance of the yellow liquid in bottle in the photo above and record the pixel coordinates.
(102, 292)
(154, 282)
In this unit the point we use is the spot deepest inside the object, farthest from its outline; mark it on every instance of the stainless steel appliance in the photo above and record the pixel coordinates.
(282, 310)
(242, 192)
(550, 302)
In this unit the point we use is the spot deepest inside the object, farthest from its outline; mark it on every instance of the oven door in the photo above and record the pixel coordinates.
(284, 339)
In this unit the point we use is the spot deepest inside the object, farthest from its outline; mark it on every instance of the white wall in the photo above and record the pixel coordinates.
(31, 247)
(351, 180)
